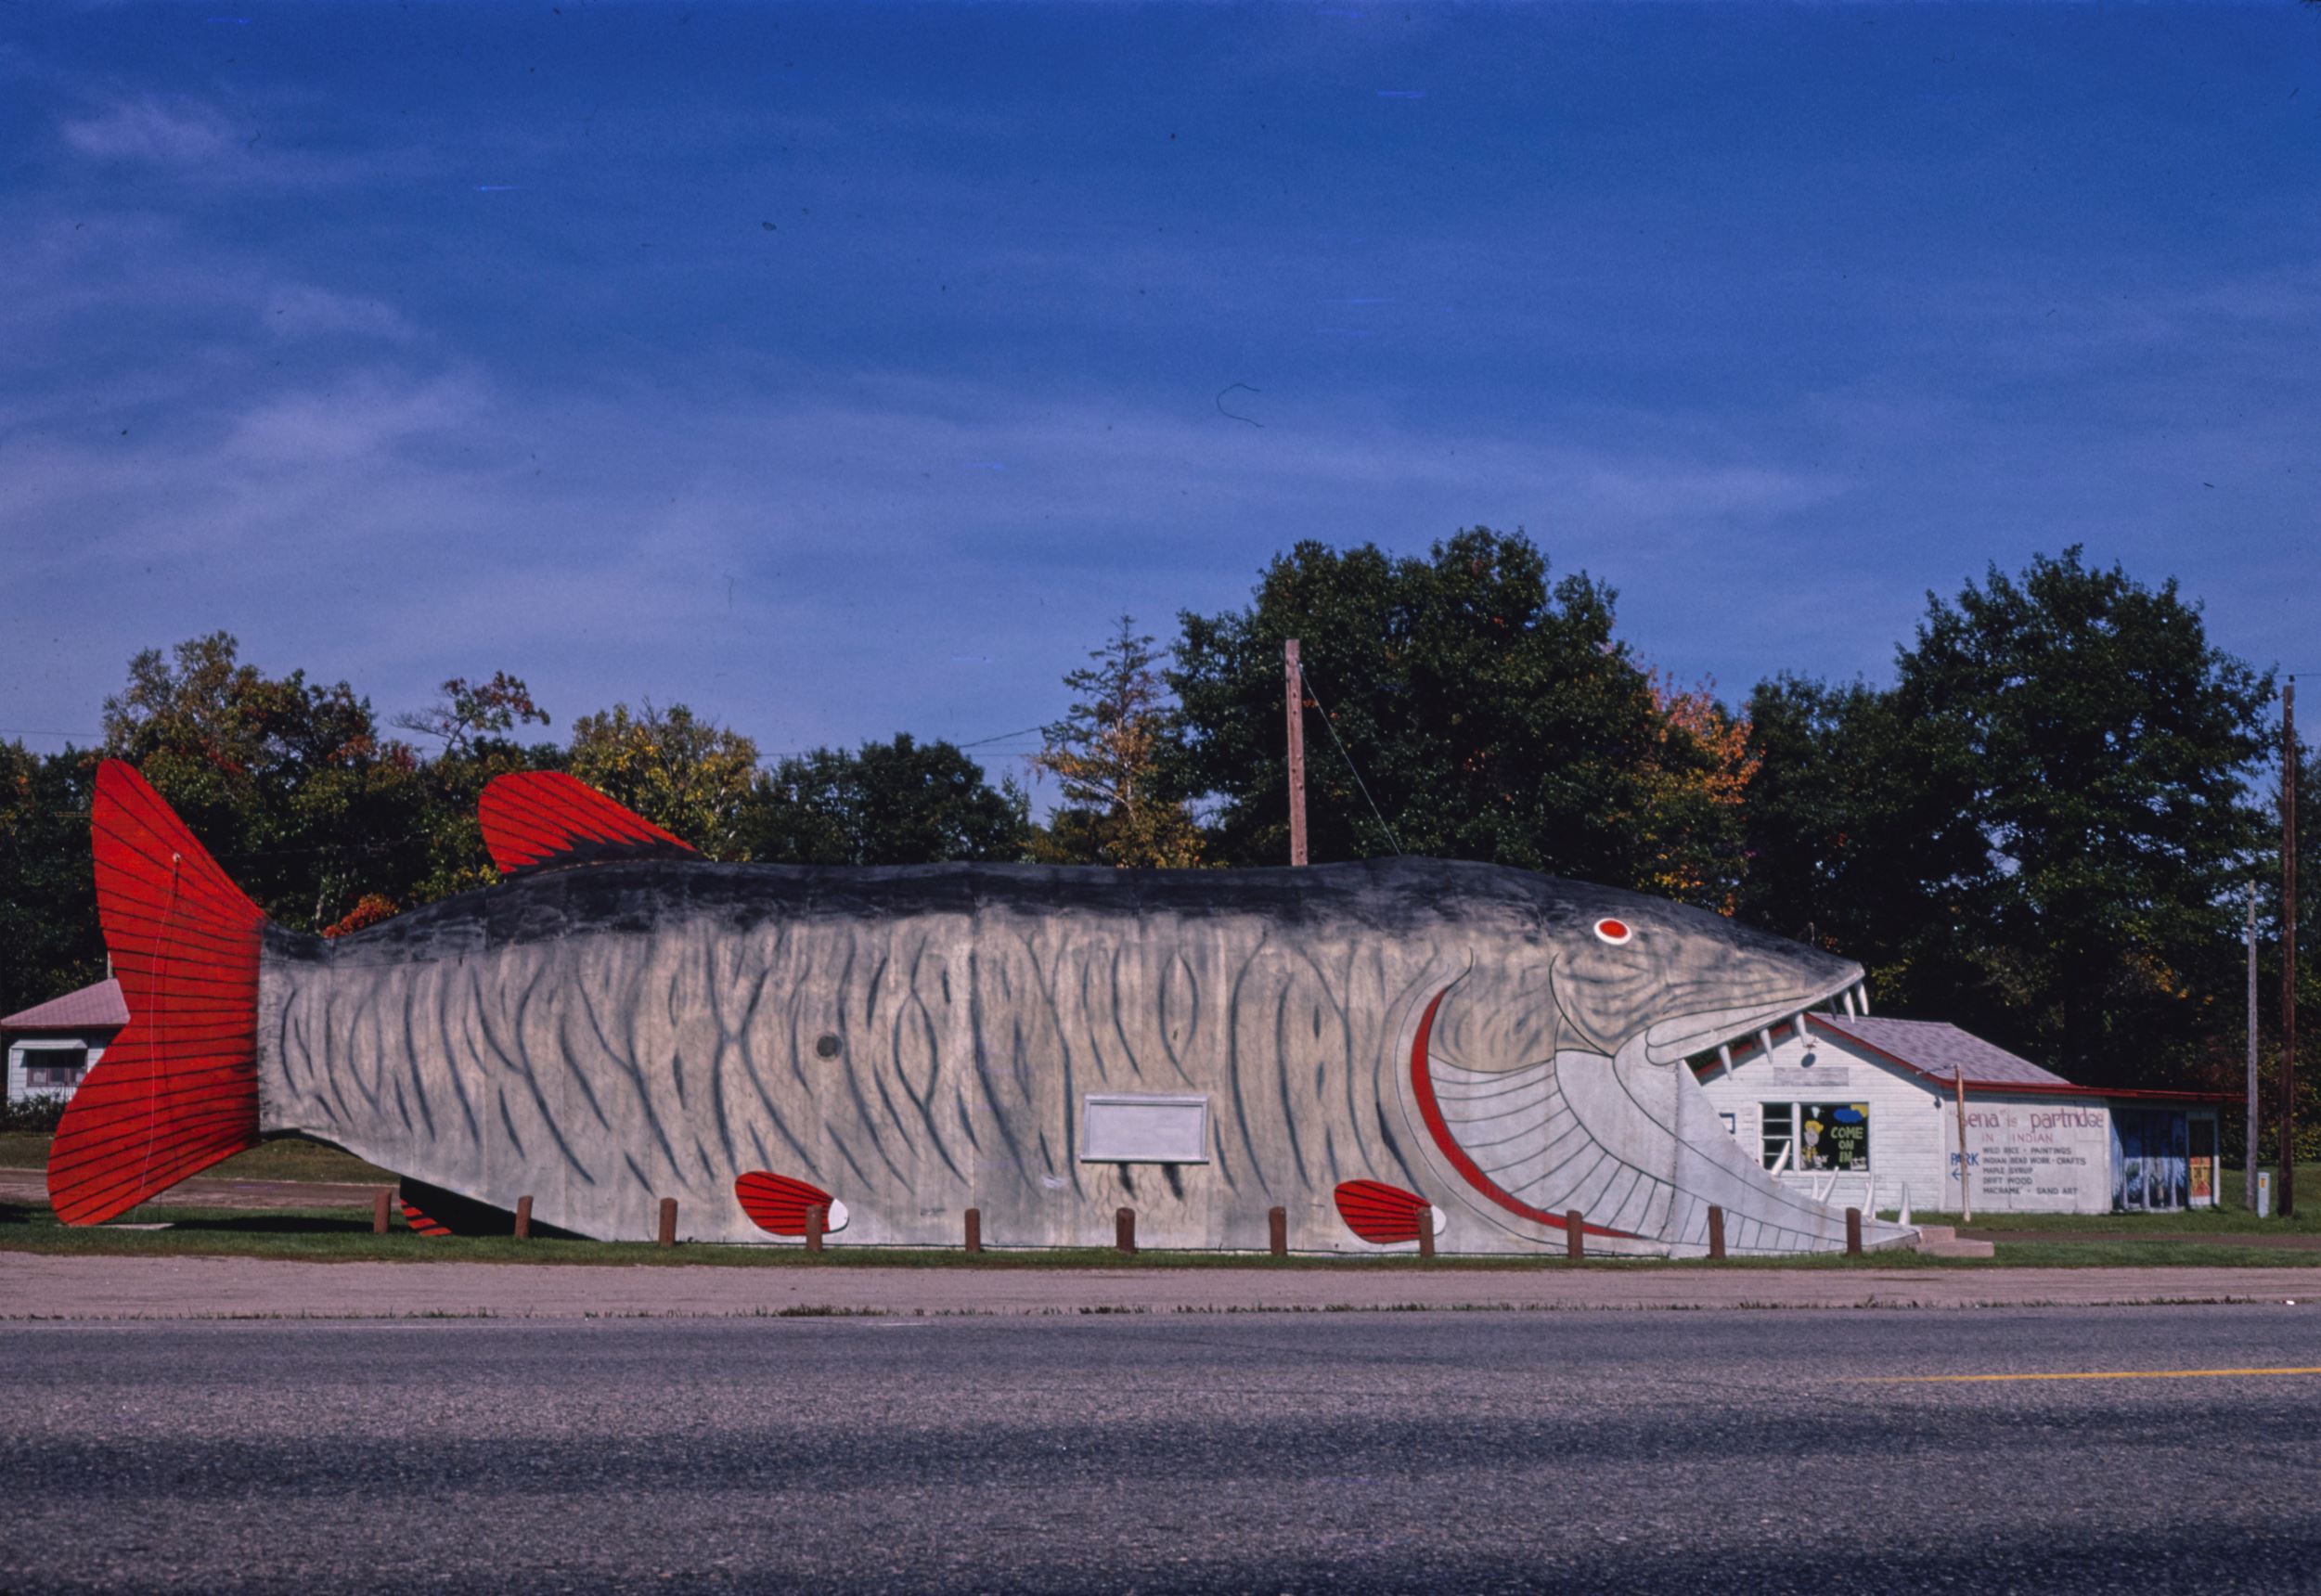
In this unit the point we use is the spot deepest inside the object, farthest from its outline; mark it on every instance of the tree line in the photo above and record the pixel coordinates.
(2042, 830)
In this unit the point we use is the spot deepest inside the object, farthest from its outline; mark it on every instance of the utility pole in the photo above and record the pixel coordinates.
(1294, 706)
(2288, 948)
(2248, 1156)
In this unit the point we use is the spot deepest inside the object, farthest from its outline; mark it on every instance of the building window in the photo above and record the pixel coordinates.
(1780, 1129)
(1817, 1136)
(54, 1068)
(1837, 1135)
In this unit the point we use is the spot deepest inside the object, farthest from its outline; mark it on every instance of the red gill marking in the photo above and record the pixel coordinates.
(1431, 1112)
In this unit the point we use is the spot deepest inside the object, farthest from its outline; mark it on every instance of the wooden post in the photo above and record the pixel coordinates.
(975, 1229)
(1124, 1231)
(1716, 1232)
(1426, 1231)
(1965, 1202)
(1853, 1233)
(524, 1218)
(2288, 1111)
(668, 1221)
(1293, 687)
(817, 1220)
(379, 1206)
(1277, 1231)
(1574, 1235)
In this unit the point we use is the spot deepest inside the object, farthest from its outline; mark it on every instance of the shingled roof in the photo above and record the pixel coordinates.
(93, 1007)
(1939, 1050)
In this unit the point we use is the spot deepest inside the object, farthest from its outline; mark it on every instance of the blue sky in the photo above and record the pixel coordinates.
(841, 370)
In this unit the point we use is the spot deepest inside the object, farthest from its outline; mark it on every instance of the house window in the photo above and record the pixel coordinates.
(54, 1068)
(1779, 1125)
(1817, 1135)
(1836, 1136)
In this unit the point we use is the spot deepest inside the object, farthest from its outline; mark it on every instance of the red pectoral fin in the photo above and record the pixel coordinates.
(1379, 1213)
(544, 820)
(778, 1203)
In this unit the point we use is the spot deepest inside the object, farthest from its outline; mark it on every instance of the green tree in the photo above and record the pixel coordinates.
(466, 713)
(2038, 831)
(688, 776)
(2109, 744)
(286, 782)
(1107, 755)
(474, 724)
(50, 940)
(1492, 717)
(898, 802)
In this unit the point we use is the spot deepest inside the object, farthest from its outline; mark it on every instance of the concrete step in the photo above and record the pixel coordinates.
(1948, 1248)
(1937, 1233)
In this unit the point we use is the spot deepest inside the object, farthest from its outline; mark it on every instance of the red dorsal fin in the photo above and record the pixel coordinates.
(544, 820)
(778, 1203)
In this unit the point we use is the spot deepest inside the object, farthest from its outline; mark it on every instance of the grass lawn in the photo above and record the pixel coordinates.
(286, 1158)
(328, 1236)
(2228, 1217)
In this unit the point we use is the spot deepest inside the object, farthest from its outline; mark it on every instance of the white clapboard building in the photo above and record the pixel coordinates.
(51, 1046)
(1863, 1111)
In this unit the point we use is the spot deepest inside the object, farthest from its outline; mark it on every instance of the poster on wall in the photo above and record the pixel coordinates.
(2150, 1159)
(2032, 1158)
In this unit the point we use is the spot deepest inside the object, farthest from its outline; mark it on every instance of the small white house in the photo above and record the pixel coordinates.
(1863, 1111)
(53, 1045)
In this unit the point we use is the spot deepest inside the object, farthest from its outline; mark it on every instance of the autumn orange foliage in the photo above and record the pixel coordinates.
(369, 909)
(1697, 779)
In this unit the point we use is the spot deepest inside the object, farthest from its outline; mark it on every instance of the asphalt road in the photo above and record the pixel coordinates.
(1725, 1451)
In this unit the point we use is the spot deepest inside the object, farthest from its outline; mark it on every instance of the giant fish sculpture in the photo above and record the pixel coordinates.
(1368, 1046)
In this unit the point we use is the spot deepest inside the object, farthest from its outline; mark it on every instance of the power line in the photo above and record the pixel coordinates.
(1306, 681)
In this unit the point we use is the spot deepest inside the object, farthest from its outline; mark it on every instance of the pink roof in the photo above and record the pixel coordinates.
(1940, 1049)
(94, 1008)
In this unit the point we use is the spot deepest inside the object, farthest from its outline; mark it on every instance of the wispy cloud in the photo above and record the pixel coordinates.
(167, 132)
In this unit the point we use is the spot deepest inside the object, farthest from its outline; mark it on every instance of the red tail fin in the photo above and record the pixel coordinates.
(178, 1089)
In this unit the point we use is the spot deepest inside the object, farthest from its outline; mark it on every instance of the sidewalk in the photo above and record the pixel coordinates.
(33, 1287)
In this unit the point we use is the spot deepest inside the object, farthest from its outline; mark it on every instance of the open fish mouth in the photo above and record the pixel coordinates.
(1682, 1036)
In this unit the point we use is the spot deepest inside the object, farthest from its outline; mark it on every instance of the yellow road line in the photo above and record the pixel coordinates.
(2097, 1374)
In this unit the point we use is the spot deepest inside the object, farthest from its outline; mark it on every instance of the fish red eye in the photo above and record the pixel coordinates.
(1613, 930)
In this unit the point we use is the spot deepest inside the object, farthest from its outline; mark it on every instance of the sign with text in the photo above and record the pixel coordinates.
(2034, 1157)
